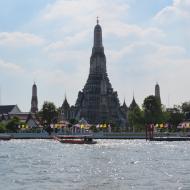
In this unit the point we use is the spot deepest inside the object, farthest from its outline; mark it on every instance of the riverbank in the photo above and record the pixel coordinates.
(100, 135)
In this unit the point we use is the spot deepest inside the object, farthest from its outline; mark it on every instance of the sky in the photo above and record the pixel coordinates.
(49, 42)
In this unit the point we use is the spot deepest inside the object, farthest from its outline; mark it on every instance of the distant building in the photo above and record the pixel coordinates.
(6, 111)
(124, 107)
(65, 111)
(27, 118)
(34, 101)
(9, 109)
(133, 105)
(124, 110)
(157, 92)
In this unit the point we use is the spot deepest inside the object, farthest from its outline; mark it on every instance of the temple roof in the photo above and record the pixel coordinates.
(5, 109)
(133, 104)
(65, 104)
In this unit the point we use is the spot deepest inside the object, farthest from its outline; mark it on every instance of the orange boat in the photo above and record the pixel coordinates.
(75, 139)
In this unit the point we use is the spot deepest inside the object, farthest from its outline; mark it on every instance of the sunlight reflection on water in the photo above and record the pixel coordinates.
(109, 164)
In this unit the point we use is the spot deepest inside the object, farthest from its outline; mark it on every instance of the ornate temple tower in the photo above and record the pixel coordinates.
(34, 101)
(65, 110)
(133, 104)
(98, 102)
(157, 92)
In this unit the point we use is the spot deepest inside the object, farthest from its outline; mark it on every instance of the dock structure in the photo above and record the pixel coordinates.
(149, 132)
(151, 136)
(170, 139)
(5, 137)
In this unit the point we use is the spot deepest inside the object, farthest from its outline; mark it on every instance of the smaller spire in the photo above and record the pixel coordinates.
(65, 104)
(65, 96)
(34, 101)
(97, 20)
(124, 104)
(133, 103)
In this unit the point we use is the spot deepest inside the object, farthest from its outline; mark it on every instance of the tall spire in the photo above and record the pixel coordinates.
(157, 91)
(98, 58)
(98, 35)
(34, 101)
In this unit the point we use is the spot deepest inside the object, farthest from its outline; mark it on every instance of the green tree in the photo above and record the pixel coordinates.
(152, 110)
(73, 121)
(48, 114)
(186, 110)
(93, 128)
(2, 128)
(135, 118)
(175, 116)
(13, 124)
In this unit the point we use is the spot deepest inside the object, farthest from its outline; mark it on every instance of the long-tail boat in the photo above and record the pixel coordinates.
(82, 139)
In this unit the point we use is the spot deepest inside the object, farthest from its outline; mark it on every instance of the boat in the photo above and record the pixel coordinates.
(75, 139)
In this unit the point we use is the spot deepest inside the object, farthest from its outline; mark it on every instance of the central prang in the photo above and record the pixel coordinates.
(98, 102)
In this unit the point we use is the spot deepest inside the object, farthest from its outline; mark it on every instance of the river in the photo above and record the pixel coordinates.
(107, 165)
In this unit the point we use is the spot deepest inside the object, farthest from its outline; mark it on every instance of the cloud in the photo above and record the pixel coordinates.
(141, 64)
(58, 82)
(68, 42)
(19, 39)
(178, 11)
(138, 53)
(10, 67)
(64, 16)
(70, 9)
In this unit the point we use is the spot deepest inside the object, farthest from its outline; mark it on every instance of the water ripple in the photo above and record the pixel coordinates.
(110, 164)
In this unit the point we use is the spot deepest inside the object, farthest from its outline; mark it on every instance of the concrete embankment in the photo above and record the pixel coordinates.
(28, 135)
(95, 135)
(99, 135)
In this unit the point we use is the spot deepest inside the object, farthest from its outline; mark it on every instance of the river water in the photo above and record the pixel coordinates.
(107, 165)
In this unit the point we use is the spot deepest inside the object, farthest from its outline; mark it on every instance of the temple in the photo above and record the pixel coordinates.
(98, 102)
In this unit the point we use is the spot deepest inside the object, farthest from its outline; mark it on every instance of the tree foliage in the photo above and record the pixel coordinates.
(48, 113)
(2, 128)
(186, 110)
(152, 110)
(175, 116)
(73, 121)
(135, 118)
(13, 124)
